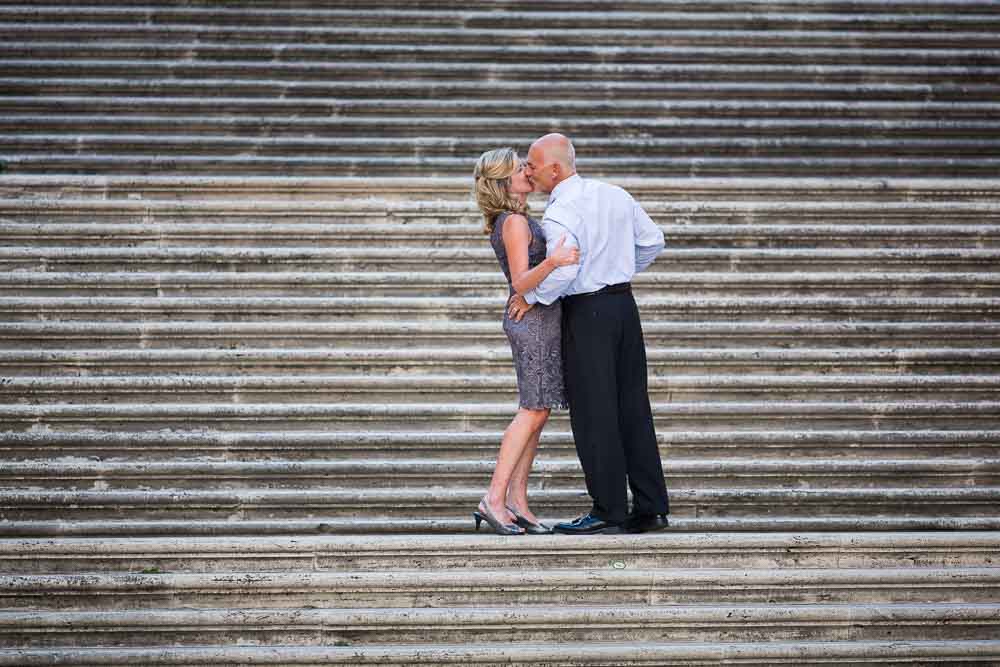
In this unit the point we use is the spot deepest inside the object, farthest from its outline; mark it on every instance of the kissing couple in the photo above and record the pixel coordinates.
(576, 339)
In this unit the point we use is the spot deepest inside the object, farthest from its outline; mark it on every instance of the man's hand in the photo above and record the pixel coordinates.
(517, 307)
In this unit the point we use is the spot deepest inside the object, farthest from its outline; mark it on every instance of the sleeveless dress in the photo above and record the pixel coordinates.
(536, 341)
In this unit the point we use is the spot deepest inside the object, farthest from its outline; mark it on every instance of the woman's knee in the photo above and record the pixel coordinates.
(536, 417)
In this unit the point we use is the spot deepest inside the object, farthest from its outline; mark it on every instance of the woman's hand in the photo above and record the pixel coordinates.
(517, 307)
(563, 255)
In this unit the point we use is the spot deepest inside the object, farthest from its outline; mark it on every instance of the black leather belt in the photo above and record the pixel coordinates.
(608, 289)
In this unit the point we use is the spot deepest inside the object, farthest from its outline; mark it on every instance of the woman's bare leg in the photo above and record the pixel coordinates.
(516, 439)
(517, 490)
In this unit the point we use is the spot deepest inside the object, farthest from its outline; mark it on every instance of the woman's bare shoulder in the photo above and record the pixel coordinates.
(516, 219)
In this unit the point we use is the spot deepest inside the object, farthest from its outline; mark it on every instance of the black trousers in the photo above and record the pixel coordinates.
(604, 360)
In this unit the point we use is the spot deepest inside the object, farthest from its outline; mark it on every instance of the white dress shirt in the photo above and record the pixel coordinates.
(616, 238)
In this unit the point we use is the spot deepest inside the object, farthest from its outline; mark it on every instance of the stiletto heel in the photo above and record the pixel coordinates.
(494, 523)
(530, 527)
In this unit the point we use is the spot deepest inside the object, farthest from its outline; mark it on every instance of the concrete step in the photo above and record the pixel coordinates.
(789, 444)
(477, 364)
(971, 67)
(382, 386)
(758, 49)
(113, 258)
(342, 416)
(709, 6)
(469, 554)
(329, 284)
(969, 197)
(238, 163)
(129, 528)
(484, 654)
(395, 509)
(622, 111)
(351, 245)
(763, 15)
(229, 309)
(617, 27)
(766, 85)
(598, 151)
(405, 472)
(471, 90)
(421, 208)
(429, 334)
(62, 114)
(456, 589)
(562, 623)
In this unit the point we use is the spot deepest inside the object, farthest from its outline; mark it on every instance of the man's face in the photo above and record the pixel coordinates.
(540, 174)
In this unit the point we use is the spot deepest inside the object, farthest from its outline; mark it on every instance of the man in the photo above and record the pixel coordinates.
(603, 350)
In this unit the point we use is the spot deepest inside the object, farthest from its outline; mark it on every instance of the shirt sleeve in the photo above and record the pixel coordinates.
(556, 283)
(649, 241)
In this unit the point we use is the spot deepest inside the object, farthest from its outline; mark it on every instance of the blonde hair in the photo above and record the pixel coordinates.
(493, 172)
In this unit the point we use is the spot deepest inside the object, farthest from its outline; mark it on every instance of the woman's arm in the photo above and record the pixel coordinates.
(516, 238)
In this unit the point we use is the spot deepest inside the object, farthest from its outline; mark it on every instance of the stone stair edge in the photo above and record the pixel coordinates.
(367, 527)
(15, 113)
(488, 278)
(261, 184)
(416, 328)
(90, 64)
(75, 468)
(311, 253)
(600, 5)
(499, 353)
(512, 653)
(466, 11)
(229, 438)
(331, 618)
(441, 304)
(474, 23)
(466, 497)
(949, 90)
(883, 409)
(14, 385)
(350, 545)
(492, 579)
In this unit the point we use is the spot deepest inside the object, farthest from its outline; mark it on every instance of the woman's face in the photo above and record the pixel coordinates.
(519, 183)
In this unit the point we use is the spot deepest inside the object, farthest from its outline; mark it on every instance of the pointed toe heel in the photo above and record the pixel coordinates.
(498, 526)
(530, 527)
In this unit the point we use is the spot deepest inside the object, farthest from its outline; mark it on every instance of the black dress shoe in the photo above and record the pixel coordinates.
(588, 524)
(645, 523)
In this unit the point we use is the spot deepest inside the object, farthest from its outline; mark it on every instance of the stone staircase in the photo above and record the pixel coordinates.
(252, 377)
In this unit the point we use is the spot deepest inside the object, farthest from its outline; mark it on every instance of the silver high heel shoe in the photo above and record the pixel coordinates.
(500, 528)
(530, 527)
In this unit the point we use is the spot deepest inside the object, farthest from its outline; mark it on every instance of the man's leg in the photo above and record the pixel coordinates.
(642, 454)
(590, 330)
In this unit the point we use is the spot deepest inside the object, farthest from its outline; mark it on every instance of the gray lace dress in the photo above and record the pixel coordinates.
(536, 340)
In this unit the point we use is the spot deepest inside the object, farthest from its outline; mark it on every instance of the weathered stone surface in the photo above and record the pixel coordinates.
(252, 377)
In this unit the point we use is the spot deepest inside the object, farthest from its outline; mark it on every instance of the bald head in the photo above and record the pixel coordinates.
(557, 148)
(551, 160)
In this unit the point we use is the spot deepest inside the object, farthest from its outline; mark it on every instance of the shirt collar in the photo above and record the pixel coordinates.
(564, 187)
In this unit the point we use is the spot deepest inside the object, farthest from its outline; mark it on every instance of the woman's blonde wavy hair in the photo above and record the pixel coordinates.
(493, 171)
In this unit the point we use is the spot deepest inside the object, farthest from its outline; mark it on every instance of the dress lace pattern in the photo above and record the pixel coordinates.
(536, 341)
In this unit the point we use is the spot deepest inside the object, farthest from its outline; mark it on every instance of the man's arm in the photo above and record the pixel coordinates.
(649, 241)
(556, 283)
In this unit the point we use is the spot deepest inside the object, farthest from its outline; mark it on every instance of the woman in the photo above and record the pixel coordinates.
(534, 334)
